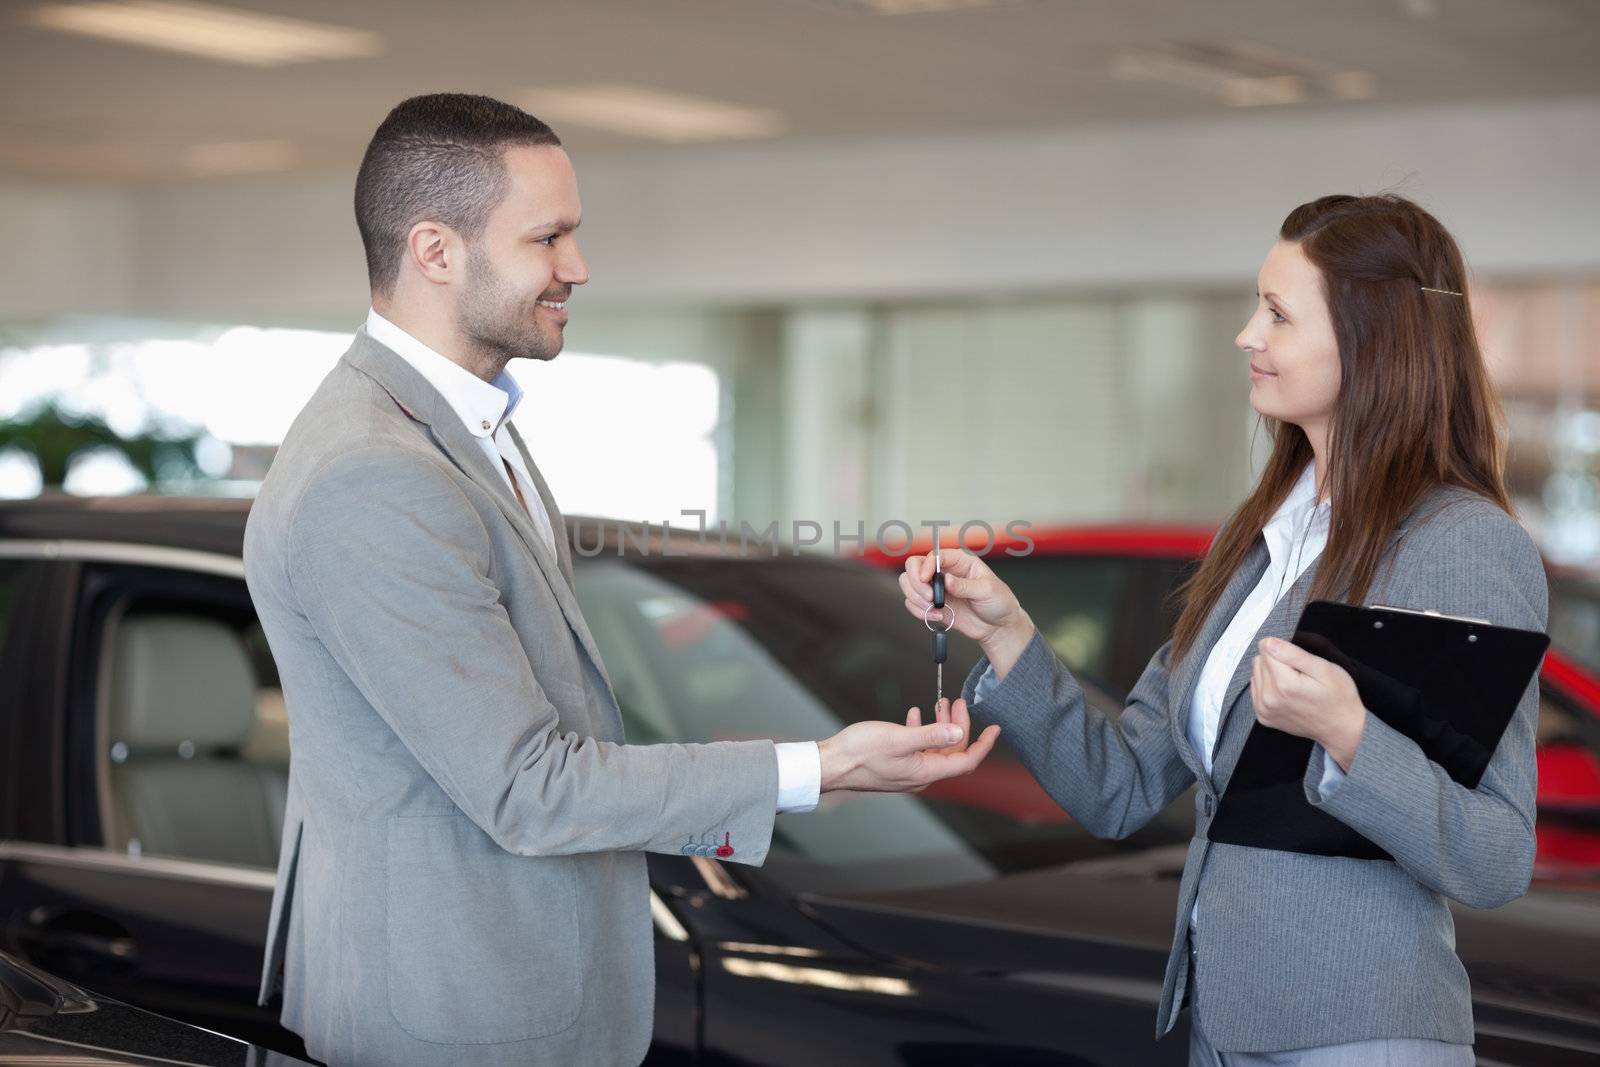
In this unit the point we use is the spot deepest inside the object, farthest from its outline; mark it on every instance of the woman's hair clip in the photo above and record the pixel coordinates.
(1446, 292)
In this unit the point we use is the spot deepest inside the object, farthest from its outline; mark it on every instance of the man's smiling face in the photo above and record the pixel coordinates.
(523, 267)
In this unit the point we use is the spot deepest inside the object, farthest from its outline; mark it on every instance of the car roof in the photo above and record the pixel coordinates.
(216, 524)
(202, 524)
(1183, 541)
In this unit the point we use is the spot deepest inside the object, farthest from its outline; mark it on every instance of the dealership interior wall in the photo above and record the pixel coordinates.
(994, 325)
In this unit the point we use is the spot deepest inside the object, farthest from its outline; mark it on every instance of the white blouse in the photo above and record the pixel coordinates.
(1295, 535)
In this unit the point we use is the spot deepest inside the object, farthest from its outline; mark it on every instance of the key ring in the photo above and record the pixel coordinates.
(951, 625)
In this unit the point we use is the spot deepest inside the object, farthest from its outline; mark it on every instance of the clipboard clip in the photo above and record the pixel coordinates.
(1431, 613)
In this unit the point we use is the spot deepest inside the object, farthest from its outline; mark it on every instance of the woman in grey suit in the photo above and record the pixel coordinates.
(1384, 486)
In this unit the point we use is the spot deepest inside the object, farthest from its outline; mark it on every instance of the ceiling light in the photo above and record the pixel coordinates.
(1259, 92)
(1151, 65)
(82, 160)
(225, 158)
(906, 7)
(1352, 85)
(1243, 74)
(219, 33)
(920, 7)
(641, 112)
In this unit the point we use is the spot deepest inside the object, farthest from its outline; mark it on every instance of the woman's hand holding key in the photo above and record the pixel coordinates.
(986, 609)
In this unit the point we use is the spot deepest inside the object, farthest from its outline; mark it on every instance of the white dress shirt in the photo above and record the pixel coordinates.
(485, 409)
(1295, 535)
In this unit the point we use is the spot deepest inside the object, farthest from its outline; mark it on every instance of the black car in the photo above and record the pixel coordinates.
(145, 759)
(44, 1020)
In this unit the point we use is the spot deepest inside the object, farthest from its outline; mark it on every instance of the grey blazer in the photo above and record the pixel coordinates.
(462, 877)
(1297, 950)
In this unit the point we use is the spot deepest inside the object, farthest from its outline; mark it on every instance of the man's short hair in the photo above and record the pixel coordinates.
(437, 157)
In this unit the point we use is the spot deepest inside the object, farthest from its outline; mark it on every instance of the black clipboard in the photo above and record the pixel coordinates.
(1451, 684)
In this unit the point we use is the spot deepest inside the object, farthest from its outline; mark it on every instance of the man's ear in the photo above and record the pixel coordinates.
(435, 251)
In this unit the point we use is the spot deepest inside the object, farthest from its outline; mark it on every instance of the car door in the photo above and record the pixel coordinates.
(168, 770)
(32, 672)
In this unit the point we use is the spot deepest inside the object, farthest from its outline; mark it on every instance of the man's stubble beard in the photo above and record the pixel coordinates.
(495, 323)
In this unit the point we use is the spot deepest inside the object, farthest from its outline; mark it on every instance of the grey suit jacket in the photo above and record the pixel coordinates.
(462, 877)
(1297, 950)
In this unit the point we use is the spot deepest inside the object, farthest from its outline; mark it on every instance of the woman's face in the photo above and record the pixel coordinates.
(1294, 356)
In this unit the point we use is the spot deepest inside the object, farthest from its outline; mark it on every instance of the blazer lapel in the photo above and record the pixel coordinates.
(1187, 675)
(557, 523)
(1279, 623)
(561, 578)
(419, 400)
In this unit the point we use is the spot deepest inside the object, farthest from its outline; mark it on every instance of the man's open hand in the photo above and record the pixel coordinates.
(885, 757)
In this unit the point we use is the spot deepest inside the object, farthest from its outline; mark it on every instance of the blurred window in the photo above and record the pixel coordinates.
(201, 409)
(623, 437)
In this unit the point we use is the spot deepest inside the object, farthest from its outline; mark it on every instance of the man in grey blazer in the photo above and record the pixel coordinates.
(462, 877)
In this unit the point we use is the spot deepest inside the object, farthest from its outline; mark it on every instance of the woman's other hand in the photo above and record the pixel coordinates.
(1308, 696)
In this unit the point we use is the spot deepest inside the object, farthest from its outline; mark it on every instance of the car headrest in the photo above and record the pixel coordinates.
(176, 679)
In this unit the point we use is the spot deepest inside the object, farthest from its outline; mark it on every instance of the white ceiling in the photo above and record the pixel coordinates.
(83, 108)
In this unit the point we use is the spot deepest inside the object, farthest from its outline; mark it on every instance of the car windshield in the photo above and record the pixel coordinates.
(791, 649)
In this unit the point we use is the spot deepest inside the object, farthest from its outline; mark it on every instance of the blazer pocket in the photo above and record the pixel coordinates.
(483, 944)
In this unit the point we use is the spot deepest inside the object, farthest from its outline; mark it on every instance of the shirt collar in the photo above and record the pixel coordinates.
(481, 406)
(1300, 494)
(1288, 520)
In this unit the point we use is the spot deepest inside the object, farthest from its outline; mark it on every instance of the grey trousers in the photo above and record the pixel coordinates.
(1380, 1052)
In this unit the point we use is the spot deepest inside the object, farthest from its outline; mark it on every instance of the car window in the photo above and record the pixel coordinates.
(191, 740)
(1105, 616)
(697, 650)
(1074, 602)
(702, 650)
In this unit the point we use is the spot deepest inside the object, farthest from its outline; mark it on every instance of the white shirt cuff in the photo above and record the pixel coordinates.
(986, 684)
(799, 775)
(1332, 775)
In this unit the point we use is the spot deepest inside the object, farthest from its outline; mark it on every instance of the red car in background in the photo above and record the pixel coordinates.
(1102, 598)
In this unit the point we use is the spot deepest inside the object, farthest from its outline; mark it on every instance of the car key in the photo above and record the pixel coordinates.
(941, 641)
(941, 636)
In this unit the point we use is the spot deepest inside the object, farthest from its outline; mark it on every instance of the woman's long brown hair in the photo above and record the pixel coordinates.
(1415, 409)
